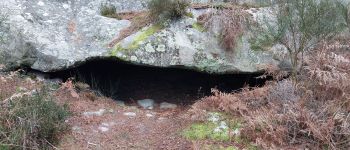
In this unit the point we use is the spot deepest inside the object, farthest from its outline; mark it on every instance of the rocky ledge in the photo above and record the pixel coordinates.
(53, 35)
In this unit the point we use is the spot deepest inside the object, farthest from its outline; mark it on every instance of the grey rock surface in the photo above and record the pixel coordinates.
(129, 114)
(166, 105)
(49, 36)
(54, 35)
(146, 103)
(121, 103)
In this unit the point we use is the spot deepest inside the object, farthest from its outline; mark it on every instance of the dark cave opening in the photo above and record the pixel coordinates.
(129, 82)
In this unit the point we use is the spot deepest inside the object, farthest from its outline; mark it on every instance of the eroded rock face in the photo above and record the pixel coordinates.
(52, 35)
(57, 34)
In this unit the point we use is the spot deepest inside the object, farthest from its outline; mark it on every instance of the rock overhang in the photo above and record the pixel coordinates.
(77, 33)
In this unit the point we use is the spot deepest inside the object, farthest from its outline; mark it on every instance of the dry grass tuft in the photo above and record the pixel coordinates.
(227, 22)
(32, 122)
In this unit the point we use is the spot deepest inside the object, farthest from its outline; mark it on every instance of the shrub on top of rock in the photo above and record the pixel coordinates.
(109, 10)
(165, 10)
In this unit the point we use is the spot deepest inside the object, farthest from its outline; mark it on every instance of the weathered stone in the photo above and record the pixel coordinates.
(149, 115)
(55, 35)
(166, 105)
(95, 113)
(146, 103)
(103, 128)
(129, 114)
(121, 103)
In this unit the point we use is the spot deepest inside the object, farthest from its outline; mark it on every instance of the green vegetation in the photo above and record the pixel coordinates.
(109, 10)
(201, 131)
(163, 11)
(300, 25)
(221, 130)
(198, 27)
(138, 39)
(189, 14)
(32, 122)
(144, 35)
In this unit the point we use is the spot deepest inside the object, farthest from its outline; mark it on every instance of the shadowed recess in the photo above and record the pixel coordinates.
(129, 82)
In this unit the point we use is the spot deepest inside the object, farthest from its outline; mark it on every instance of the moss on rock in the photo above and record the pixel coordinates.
(198, 27)
(135, 44)
(144, 35)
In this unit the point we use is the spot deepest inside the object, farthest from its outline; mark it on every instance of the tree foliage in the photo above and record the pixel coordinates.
(301, 24)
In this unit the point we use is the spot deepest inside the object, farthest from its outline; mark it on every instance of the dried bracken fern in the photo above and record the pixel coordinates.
(331, 68)
(313, 114)
(228, 23)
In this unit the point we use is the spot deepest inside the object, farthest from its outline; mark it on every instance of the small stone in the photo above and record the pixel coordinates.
(217, 130)
(95, 113)
(223, 125)
(149, 115)
(214, 117)
(129, 114)
(146, 103)
(166, 105)
(22, 89)
(135, 108)
(105, 124)
(120, 103)
(76, 128)
(236, 132)
(161, 118)
(103, 129)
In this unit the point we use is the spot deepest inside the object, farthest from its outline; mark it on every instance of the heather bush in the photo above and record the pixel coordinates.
(109, 10)
(31, 122)
(166, 10)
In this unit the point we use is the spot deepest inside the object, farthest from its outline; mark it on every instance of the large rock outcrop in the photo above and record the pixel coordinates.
(52, 35)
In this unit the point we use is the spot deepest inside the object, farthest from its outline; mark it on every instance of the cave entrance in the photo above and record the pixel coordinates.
(129, 83)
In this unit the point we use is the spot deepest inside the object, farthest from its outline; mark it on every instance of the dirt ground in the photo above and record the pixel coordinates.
(103, 124)
(98, 122)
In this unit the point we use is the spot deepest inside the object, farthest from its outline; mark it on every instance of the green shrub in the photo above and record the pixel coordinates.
(164, 10)
(31, 122)
(109, 10)
(299, 25)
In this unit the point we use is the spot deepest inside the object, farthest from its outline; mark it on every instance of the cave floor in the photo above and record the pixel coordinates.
(99, 122)
(103, 124)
